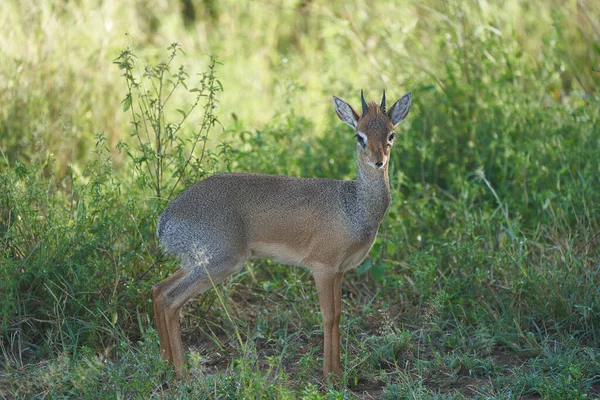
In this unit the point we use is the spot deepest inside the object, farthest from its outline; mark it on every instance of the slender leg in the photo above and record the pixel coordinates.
(171, 294)
(335, 352)
(175, 296)
(159, 313)
(325, 282)
(175, 344)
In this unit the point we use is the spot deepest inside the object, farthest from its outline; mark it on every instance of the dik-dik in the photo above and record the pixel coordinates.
(325, 225)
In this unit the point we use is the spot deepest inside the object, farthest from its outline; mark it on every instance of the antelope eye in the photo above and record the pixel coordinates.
(361, 140)
(391, 137)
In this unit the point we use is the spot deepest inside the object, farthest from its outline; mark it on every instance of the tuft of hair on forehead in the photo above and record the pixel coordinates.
(373, 108)
(375, 121)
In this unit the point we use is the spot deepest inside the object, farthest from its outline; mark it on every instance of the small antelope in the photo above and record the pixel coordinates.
(326, 225)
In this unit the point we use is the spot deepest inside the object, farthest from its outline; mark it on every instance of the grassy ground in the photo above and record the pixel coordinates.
(484, 279)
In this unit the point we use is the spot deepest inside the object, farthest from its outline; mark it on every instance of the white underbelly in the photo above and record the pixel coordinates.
(311, 256)
(279, 252)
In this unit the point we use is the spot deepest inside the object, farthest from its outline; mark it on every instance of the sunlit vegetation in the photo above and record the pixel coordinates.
(484, 281)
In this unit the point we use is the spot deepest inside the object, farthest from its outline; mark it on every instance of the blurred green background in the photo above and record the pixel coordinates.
(483, 282)
(59, 86)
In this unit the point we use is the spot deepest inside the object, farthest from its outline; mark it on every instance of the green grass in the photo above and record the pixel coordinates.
(484, 279)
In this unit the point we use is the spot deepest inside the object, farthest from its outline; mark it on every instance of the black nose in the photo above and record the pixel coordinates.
(379, 164)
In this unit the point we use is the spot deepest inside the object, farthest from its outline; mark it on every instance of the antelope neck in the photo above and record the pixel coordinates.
(373, 193)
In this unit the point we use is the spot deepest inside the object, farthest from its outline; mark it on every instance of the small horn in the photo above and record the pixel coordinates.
(383, 102)
(364, 103)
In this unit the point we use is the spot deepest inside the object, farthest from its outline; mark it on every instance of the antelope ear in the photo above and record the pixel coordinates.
(345, 112)
(400, 109)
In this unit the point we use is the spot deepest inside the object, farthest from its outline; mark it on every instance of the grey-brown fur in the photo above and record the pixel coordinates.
(326, 225)
(236, 212)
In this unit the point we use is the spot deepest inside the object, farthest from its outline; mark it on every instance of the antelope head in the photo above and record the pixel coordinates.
(374, 127)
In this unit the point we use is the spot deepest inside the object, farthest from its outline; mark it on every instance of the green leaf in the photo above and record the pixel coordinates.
(364, 267)
(127, 103)
(426, 88)
(114, 318)
(378, 272)
(391, 247)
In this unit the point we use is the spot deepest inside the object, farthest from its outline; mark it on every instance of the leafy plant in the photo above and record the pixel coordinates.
(164, 158)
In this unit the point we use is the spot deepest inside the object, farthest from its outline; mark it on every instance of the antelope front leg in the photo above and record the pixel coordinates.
(325, 282)
(335, 336)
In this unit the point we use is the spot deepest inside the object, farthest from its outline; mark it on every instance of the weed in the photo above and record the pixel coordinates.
(161, 150)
